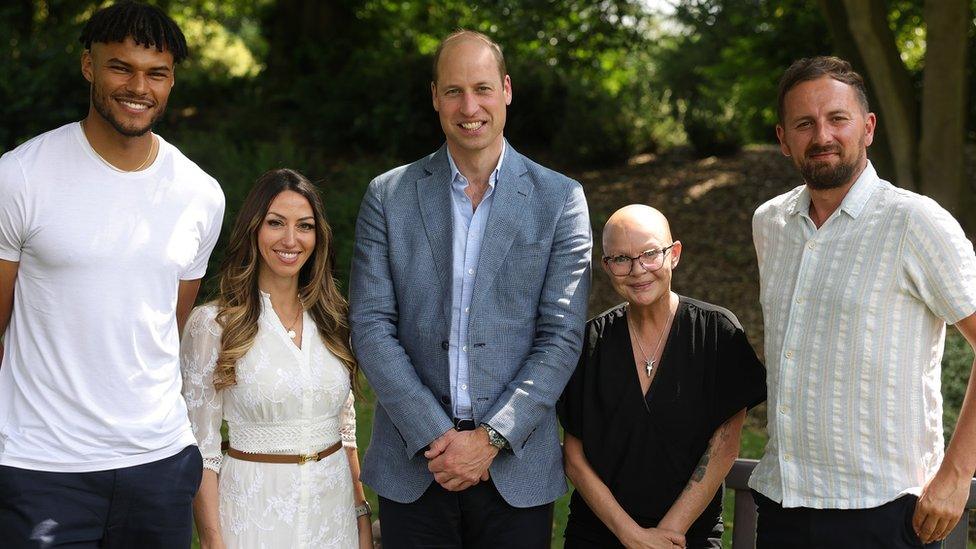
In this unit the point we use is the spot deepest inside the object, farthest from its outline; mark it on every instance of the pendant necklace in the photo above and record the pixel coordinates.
(649, 362)
(291, 330)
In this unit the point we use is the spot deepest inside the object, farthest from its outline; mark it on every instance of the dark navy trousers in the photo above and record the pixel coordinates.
(888, 526)
(475, 518)
(144, 506)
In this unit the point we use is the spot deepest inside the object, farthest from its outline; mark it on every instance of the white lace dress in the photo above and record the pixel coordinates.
(286, 401)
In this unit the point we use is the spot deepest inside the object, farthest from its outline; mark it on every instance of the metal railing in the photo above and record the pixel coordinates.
(744, 521)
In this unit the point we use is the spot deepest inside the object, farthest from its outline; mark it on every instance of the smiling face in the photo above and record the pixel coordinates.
(286, 238)
(631, 231)
(826, 132)
(471, 97)
(130, 84)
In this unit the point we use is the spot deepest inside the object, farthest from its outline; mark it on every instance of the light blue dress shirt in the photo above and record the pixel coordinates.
(468, 231)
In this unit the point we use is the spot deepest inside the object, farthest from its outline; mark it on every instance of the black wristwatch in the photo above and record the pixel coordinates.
(495, 438)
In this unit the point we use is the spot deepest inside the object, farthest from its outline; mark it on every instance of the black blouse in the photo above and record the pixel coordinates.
(646, 448)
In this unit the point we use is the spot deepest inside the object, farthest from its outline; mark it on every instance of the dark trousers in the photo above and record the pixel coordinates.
(888, 526)
(144, 506)
(473, 518)
(575, 542)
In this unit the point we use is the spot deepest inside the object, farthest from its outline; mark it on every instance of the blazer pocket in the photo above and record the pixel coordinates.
(527, 437)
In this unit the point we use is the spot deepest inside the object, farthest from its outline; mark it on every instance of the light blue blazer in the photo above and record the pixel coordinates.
(526, 323)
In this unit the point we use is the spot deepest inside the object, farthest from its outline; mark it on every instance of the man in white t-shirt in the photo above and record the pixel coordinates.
(105, 233)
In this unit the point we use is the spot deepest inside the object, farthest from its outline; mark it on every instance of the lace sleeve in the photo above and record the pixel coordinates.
(347, 422)
(198, 358)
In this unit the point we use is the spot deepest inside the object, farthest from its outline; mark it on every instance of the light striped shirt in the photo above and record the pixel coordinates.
(469, 232)
(855, 316)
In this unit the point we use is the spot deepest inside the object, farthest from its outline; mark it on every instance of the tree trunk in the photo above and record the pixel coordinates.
(868, 22)
(941, 152)
(844, 45)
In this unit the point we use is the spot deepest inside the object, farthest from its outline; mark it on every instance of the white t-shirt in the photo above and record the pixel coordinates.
(90, 378)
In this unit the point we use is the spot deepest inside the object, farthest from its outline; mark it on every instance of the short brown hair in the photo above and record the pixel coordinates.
(496, 50)
(812, 68)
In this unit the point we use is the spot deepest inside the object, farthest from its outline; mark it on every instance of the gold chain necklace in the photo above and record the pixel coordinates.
(152, 149)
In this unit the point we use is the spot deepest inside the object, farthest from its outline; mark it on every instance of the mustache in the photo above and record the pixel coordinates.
(134, 97)
(814, 150)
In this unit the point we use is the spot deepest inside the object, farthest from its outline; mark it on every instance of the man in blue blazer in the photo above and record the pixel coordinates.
(467, 303)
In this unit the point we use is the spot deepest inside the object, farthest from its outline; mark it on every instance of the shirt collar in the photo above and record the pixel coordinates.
(457, 176)
(855, 200)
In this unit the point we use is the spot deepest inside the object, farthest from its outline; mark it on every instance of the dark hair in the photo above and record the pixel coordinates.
(148, 26)
(812, 68)
(496, 50)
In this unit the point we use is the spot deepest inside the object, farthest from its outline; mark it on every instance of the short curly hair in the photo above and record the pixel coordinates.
(148, 26)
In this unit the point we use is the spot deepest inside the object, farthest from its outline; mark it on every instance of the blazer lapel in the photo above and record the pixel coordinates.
(512, 190)
(434, 196)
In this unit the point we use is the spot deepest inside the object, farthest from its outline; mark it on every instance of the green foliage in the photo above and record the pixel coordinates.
(39, 63)
(957, 361)
(906, 21)
(577, 70)
(725, 60)
(41, 86)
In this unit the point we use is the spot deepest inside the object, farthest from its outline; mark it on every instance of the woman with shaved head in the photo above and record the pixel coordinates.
(653, 413)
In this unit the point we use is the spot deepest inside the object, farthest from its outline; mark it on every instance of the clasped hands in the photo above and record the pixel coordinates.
(638, 537)
(460, 459)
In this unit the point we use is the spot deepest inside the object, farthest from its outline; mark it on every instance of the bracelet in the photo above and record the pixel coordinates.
(363, 510)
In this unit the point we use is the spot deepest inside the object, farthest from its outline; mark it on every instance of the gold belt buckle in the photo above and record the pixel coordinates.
(305, 458)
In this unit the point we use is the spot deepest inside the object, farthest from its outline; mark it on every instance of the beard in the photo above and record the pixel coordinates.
(101, 104)
(822, 175)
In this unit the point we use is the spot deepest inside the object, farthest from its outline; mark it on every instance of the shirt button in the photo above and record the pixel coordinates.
(464, 387)
(470, 271)
(812, 245)
(799, 300)
(789, 354)
(465, 348)
(466, 309)
(784, 410)
(787, 457)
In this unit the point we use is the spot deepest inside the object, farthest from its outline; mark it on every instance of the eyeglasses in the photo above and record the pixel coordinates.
(623, 265)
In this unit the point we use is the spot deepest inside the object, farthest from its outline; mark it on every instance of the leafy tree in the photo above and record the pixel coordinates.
(41, 86)
(577, 85)
(927, 123)
(723, 62)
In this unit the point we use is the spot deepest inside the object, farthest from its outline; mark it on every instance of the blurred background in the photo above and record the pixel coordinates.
(665, 102)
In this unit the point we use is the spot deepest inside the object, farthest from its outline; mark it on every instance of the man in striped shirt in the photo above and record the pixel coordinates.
(858, 280)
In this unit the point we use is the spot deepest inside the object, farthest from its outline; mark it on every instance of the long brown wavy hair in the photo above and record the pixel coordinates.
(239, 302)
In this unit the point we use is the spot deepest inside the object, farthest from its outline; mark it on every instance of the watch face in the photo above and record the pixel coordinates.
(494, 437)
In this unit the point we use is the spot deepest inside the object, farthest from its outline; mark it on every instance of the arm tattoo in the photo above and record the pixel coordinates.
(699, 473)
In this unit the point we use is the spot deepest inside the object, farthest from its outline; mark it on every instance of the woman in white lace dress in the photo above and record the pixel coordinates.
(271, 357)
